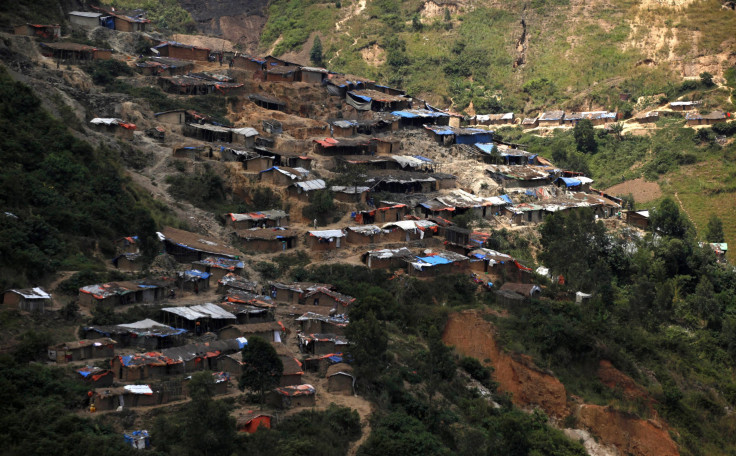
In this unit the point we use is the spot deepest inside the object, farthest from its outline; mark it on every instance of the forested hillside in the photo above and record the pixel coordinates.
(63, 200)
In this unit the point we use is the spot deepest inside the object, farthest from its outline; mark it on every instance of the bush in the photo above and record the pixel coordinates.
(725, 128)
(268, 271)
(104, 72)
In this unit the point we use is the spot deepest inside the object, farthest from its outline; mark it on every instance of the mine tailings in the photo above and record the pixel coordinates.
(531, 387)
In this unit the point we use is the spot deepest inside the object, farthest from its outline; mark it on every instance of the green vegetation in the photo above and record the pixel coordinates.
(58, 193)
(166, 15)
(666, 309)
(327, 433)
(321, 208)
(203, 188)
(294, 21)
(38, 412)
(262, 367)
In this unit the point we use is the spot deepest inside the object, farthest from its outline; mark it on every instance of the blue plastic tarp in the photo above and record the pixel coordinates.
(335, 359)
(361, 97)
(481, 136)
(570, 182)
(507, 199)
(197, 273)
(405, 114)
(126, 359)
(435, 260)
(486, 148)
(424, 159)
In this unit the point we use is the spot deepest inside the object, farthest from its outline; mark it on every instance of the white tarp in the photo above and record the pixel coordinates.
(406, 160)
(327, 234)
(105, 121)
(32, 293)
(316, 184)
(143, 324)
(245, 131)
(207, 310)
(138, 389)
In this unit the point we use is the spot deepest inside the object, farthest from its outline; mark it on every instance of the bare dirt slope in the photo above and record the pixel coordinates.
(642, 190)
(530, 386)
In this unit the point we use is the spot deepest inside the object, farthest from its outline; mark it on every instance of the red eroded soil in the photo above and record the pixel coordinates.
(629, 434)
(615, 379)
(529, 386)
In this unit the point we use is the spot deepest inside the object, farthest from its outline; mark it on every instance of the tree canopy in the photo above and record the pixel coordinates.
(262, 367)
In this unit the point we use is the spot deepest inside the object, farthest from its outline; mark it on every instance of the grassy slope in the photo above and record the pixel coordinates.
(471, 57)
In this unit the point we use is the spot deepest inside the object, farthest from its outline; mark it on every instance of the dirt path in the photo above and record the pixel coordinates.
(357, 9)
(682, 206)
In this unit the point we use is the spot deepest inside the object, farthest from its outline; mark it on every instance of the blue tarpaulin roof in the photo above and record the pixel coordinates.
(419, 157)
(507, 199)
(570, 182)
(362, 97)
(435, 260)
(196, 273)
(335, 359)
(485, 147)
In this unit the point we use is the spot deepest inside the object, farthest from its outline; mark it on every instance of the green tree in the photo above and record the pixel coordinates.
(203, 427)
(416, 23)
(321, 208)
(315, 55)
(707, 79)
(585, 136)
(368, 344)
(617, 128)
(439, 365)
(578, 232)
(262, 367)
(714, 230)
(669, 221)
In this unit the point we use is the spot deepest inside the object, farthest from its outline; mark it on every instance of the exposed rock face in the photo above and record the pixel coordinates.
(529, 386)
(239, 21)
(629, 434)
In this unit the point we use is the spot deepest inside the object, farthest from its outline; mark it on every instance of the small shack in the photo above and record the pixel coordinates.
(200, 318)
(114, 126)
(268, 239)
(551, 118)
(79, 350)
(74, 52)
(323, 296)
(251, 421)
(386, 258)
(85, 19)
(27, 299)
(272, 331)
(321, 240)
(46, 32)
(182, 51)
(260, 219)
(267, 102)
(293, 396)
(527, 290)
(640, 219)
(186, 246)
(96, 377)
(340, 379)
(218, 267)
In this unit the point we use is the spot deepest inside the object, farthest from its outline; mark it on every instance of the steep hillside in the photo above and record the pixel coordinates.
(522, 56)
